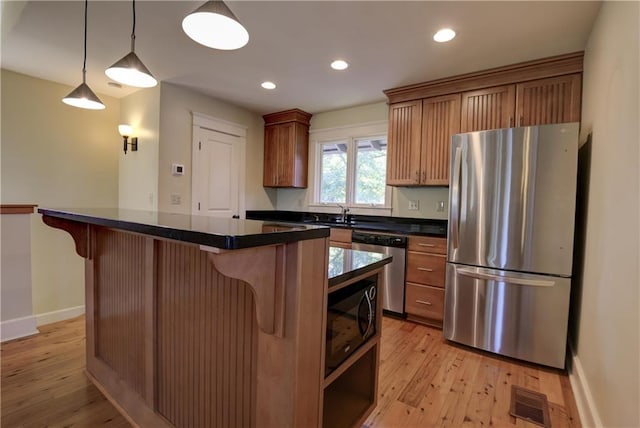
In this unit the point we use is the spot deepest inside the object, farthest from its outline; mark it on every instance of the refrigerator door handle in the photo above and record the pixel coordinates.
(455, 197)
(480, 274)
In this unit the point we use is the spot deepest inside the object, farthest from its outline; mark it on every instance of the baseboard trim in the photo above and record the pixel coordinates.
(584, 399)
(17, 328)
(61, 315)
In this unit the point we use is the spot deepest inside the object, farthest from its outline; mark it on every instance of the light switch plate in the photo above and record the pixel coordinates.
(177, 169)
(440, 206)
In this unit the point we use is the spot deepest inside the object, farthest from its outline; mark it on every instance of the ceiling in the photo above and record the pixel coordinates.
(387, 44)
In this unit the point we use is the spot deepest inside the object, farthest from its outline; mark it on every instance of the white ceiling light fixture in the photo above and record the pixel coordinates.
(444, 35)
(130, 70)
(268, 85)
(215, 26)
(339, 64)
(83, 96)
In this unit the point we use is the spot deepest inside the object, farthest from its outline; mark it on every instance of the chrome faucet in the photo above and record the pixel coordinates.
(343, 215)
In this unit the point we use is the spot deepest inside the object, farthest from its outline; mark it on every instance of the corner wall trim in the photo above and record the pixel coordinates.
(584, 399)
(17, 328)
(61, 315)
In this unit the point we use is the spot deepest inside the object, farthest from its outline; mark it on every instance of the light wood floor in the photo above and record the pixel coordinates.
(424, 382)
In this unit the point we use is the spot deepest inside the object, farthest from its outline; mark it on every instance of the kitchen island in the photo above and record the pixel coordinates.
(200, 321)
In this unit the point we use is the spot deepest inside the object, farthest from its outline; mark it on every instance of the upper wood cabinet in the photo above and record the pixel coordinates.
(440, 121)
(419, 138)
(489, 108)
(286, 149)
(545, 101)
(423, 117)
(403, 143)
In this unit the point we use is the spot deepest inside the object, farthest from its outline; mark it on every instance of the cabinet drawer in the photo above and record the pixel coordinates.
(340, 235)
(424, 301)
(427, 244)
(428, 269)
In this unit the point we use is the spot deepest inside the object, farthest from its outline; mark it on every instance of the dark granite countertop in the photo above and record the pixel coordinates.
(223, 233)
(400, 225)
(345, 264)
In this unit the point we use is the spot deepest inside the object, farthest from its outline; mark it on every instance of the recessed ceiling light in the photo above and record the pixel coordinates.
(444, 35)
(339, 65)
(268, 85)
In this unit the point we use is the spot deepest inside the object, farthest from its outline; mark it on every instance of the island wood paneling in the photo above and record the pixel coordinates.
(553, 100)
(206, 342)
(119, 291)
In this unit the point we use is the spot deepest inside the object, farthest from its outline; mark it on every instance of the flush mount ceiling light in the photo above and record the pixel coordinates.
(215, 26)
(444, 35)
(268, 85)
(83, 96)
(339, 65)
(130, 70)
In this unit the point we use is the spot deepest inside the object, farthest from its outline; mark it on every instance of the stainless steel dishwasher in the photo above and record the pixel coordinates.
(391, 284)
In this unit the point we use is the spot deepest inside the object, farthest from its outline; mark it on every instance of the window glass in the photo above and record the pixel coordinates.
(371, 171)
(333, 183)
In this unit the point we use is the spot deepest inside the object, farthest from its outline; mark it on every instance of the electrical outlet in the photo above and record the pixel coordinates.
(440, 206)
(414, 205)
(176, 199)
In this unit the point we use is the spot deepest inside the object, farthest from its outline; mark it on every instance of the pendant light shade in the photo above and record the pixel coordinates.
(215, 26)
(130, 70)
(83, 96)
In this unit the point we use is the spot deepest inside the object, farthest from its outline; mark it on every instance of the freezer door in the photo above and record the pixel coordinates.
(519, 315)
(512, 198)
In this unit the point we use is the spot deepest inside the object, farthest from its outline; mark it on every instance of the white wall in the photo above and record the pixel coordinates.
(16, 298)
(176, 106)
(138, 178)
(55, 155)
(608, 336)
(427, 197)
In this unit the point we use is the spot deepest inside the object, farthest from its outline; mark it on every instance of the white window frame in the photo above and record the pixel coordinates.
(348, 134)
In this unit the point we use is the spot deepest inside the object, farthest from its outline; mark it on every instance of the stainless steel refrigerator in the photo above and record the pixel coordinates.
(510, 240)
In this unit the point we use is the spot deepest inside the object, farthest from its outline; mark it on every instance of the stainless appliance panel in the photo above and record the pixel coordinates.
(391, 282)
(512, 198)
(515, 314)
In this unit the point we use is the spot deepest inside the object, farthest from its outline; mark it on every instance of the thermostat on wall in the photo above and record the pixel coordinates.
(177, 169)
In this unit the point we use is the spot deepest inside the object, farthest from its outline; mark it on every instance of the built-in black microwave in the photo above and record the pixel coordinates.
(351, 320)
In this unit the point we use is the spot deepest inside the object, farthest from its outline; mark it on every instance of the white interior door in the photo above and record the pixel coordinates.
(218, 165)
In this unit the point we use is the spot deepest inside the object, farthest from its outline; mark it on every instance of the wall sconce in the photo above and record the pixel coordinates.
(126, 131)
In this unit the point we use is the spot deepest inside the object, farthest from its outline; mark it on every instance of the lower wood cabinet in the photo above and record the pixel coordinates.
(340, 238)
(425, 279)
(425, 302)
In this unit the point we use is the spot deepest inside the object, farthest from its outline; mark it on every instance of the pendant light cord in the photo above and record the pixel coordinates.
(133, 31)
(84, 60)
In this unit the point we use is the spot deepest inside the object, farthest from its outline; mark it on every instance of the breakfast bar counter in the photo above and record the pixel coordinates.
(205, 322)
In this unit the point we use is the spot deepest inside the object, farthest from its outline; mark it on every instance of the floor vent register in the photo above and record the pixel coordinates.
(530, 406)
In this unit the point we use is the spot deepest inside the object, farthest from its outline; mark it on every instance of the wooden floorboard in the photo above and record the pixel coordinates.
(425, 381)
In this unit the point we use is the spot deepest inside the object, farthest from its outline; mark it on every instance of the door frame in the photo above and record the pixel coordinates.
(203, 121)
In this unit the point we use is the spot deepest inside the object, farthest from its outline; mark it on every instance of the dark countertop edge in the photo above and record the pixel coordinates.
(363, 222)
(336, 280)
(225, 242)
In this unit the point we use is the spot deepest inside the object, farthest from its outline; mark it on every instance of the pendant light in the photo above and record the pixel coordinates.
(215, 26)
(130, 70)
(83, 96)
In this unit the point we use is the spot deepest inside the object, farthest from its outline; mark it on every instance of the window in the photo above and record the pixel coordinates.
(352, 172)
